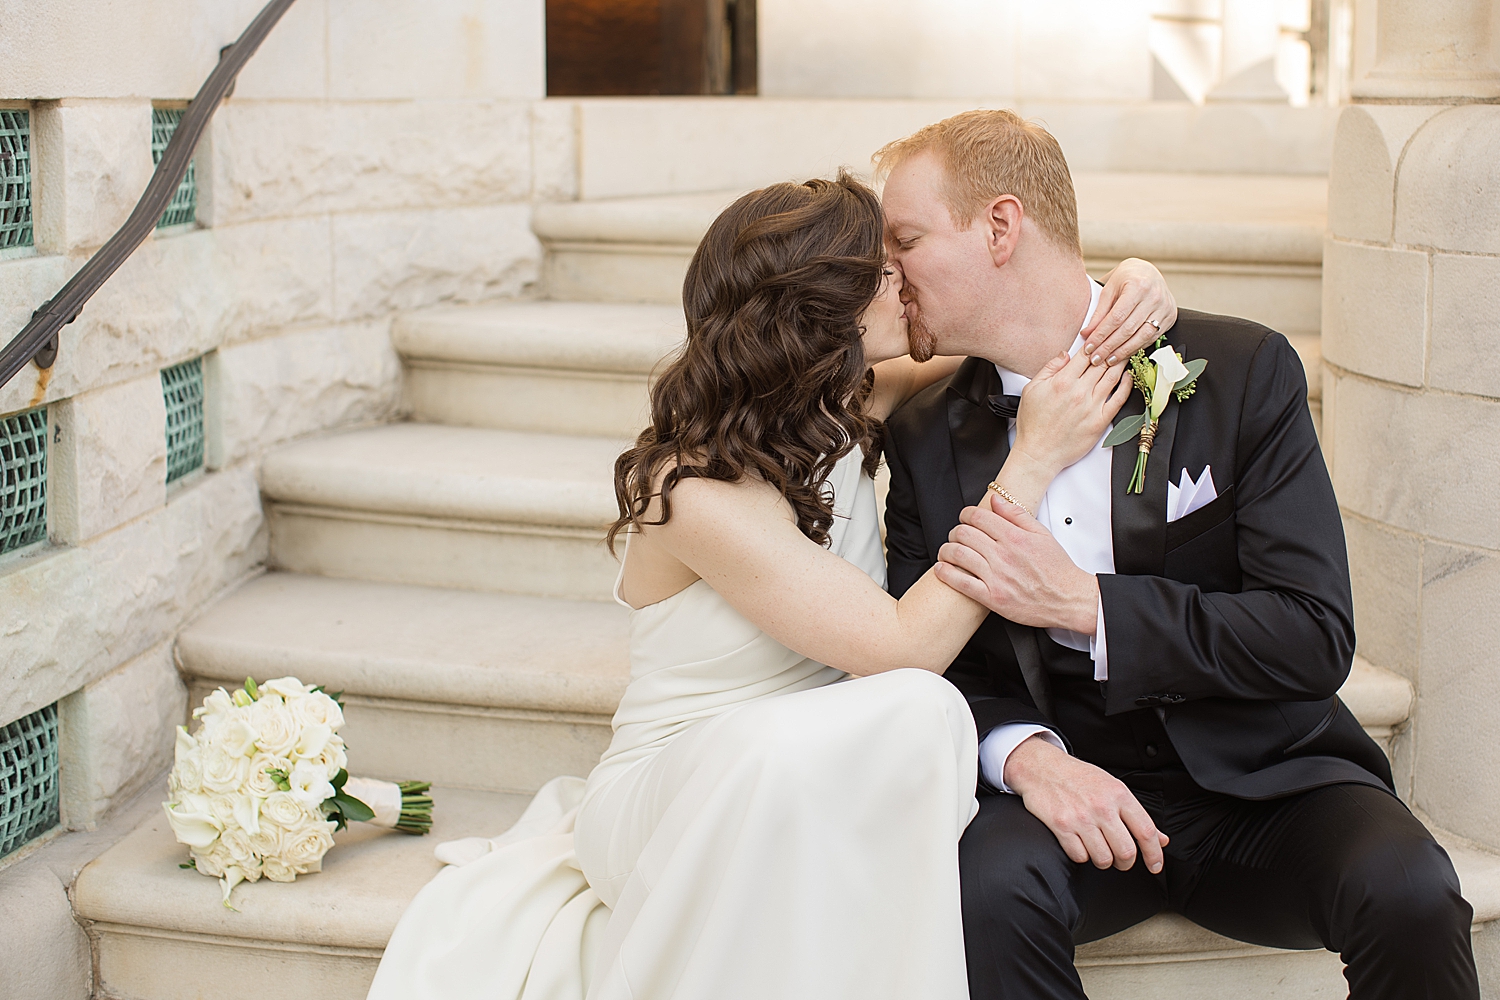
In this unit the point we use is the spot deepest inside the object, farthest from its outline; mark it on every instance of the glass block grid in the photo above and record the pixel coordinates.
(184, 205)
(23, 479)
(15, 179)
(28, 778)
(182, 388)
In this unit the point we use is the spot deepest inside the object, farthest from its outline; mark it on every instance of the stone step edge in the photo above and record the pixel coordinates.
(521, 520)
(482, 337)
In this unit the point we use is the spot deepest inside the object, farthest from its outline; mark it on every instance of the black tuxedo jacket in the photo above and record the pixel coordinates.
(1234, 624)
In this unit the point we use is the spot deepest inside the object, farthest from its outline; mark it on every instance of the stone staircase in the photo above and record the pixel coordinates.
(447, 575)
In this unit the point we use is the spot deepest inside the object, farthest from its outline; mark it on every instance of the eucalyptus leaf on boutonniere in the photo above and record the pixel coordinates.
(1160, 376)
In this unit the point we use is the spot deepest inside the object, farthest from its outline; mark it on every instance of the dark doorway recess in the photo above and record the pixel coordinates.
(601, 48)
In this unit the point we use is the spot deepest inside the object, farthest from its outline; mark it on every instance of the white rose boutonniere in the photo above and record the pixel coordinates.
(1160, 377)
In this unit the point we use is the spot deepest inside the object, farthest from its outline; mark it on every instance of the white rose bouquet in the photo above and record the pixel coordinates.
(262, 785)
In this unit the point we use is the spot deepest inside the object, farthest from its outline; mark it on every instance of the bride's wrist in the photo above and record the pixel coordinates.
(1039, 469)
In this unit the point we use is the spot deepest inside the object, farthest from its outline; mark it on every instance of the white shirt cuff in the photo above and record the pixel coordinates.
(1098, 647)
(996, 747)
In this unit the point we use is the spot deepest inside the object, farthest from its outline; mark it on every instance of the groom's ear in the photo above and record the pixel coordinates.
(1001, 221)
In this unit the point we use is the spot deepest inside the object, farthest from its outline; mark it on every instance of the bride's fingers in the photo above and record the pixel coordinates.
(1134, 332)
(1119, 396)
(1052, 367)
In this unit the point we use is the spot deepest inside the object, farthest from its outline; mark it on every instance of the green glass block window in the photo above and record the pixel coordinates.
(184, 205)
(182, 388)
(28, 778)
(23, 479)
(15, 179)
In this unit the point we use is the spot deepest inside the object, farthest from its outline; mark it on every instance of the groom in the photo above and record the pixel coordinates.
(1155, 689)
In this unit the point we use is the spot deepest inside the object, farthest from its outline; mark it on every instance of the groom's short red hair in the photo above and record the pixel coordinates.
(990, 153)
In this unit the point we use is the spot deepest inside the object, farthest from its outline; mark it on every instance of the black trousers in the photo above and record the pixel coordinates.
(1345, 867)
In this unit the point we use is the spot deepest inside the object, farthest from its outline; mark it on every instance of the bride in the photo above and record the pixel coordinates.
(779, 812)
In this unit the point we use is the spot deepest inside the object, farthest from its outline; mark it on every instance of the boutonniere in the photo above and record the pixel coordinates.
(1159, 377)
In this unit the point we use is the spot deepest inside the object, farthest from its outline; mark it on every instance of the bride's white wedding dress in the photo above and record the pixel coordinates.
(761, 826)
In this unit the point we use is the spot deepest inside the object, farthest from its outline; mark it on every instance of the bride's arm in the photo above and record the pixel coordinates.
(1134, 292)
(743, 540)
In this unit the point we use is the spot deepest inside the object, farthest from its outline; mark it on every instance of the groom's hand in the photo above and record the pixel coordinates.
(1001, 557)
(1092, 814)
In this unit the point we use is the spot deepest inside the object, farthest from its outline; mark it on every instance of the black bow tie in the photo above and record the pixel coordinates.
(1002, 405)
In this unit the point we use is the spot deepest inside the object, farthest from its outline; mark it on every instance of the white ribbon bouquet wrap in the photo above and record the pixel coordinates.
(260, 788)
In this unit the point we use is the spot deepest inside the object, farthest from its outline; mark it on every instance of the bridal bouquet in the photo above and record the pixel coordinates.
(259, 789)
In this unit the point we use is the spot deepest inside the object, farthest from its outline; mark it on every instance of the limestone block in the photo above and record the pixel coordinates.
(1385, 570)
(93, 160)
(1458, 700)
(1375, 310)
(394, 49)
(274, 158)
(281, 387)
(108, 459)
(1435, 473)
(161, 49)
(70, 616)
(1448, 193)
(1465, 314)
(116, 735)
(554, 150)
(25, 283)
(293, 60)
(46, 952)
(1362, 181)
(1110, 61)
(413, 259)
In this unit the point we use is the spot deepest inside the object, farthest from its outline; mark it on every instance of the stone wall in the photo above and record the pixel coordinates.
(375, 156)
(1412, 429)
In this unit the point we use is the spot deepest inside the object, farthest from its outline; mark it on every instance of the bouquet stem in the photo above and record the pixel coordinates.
(416, 807)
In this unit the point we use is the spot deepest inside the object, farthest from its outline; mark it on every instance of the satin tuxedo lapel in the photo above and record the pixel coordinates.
(981, 443)
(1139, 521)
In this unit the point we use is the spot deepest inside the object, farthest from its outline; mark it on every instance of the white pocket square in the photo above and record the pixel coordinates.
(1183, 499)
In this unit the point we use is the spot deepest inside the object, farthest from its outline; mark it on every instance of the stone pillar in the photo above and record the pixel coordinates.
(1411, 396)
(1432, 50)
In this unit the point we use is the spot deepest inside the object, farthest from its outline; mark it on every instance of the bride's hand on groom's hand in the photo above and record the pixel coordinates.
(1090, 812)
(1135, 293)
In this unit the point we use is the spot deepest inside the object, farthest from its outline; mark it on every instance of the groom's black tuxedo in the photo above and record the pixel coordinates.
(1229, 632)
(1233, 625)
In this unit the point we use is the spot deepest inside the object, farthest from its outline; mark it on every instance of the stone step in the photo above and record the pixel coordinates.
(160, 932)
(1244, 244)
(559, 367)
(465, 507)
(497, 692)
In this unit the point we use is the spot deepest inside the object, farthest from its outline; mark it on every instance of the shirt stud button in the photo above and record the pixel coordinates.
(1067, 520)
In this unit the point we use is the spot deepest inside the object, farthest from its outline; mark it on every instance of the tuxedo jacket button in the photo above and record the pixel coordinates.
(1147, 700)
(1150, 749)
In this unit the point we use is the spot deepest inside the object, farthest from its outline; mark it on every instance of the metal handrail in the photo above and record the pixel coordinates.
(38, 340)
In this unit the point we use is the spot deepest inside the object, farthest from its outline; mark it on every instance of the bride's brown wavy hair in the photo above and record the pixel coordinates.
(772, 380)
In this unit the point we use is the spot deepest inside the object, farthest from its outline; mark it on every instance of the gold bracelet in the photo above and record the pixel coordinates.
(1004, 494)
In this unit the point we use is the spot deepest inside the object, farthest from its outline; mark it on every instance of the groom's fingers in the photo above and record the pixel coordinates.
(957, 553)
(1145, 833)
(964, 583)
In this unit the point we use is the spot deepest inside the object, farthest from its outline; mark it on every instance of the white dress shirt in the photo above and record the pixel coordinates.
(1076, 509)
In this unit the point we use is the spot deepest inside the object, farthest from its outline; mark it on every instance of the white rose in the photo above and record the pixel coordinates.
(310, 784)
(234, 734)
(287, 687)
(212, 862)
(259, 782)
(303, 848)
(284, 810)
(276, 728)
(313, 739)
(317, 709)
(277, 870)
(224, 771)
(192, 820)
(237, 843)
(267, 843)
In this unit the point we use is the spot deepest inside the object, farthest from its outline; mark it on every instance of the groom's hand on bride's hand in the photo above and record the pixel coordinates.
(1091, 813)
(1001, 557)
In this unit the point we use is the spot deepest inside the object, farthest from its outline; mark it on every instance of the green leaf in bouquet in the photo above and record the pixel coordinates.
(282, 778)
(340, 779)
(336, 696)
(1125, 430)
(190, 863)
